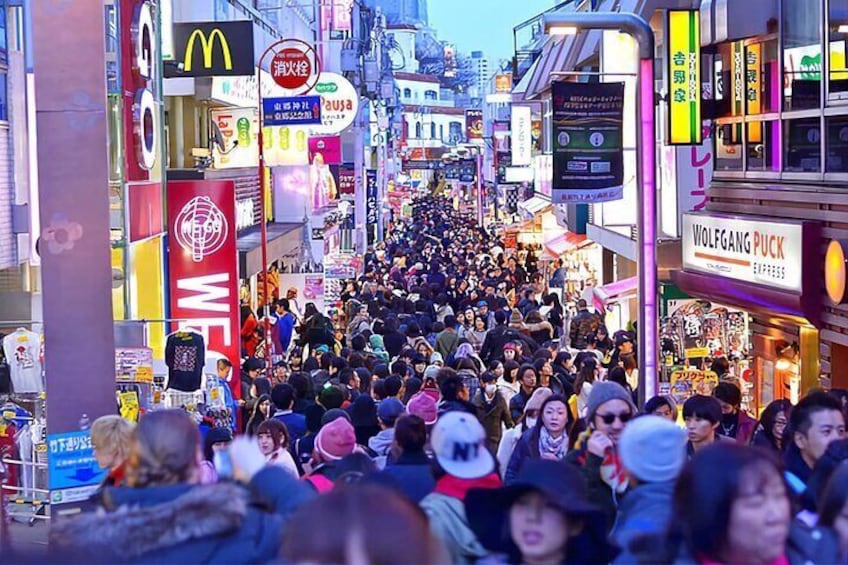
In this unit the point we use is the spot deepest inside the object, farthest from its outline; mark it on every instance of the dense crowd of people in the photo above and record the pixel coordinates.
(449, 414)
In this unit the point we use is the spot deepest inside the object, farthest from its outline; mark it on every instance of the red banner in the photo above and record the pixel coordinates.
(202, 263)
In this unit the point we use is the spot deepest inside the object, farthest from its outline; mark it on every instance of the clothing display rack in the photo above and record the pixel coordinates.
(28, 500)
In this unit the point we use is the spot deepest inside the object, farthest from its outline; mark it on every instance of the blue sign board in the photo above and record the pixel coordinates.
(71, 464)
(291, 111)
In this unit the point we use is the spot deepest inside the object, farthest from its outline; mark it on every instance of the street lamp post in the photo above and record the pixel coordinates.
(568, 23)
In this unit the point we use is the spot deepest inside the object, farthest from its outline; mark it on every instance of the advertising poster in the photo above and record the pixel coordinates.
(324, 189)
(202, 263)
(473, 124)
(587, 130)
(328, 146)
(504, 161)
(240, 129)
(292, 192)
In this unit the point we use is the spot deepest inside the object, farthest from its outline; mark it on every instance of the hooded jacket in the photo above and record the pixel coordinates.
(382, 442)
(182, 523)
(645, 510)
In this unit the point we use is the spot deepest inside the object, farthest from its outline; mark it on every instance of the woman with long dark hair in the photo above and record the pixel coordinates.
(261, 412)
(548, 439)
(583, 385)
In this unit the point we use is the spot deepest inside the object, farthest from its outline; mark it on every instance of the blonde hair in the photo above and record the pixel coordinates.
(112, 435)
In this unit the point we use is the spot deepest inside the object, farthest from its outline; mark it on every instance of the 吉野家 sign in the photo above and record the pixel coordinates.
(588, 136)
(294, 111)
(208, 49)
(684, 77)
(768, 253)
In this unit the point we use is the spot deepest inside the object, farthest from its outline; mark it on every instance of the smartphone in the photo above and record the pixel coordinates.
(223, 464)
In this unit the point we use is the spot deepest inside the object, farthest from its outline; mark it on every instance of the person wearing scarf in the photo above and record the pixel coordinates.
(595, 452)
(547, 439)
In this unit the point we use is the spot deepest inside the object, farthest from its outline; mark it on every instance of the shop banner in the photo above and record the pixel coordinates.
(339, 104)
(292, 192)
(684, 77)
(240, 129)
(587, 129)
(474, 125)
(329, 147)
(291, 111)
(347, 180)
(503, 83)
(520, 135)
(543, 170)
(323, 183)
(750, 250)
(202, 260)
(208, 49)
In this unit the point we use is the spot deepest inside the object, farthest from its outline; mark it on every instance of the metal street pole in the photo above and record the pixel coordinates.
(361, 230)
(568, 23)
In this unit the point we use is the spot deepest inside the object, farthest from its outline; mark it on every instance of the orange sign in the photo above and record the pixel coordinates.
(503, 83)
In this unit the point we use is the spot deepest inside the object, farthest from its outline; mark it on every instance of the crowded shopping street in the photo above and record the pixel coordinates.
(425, 282)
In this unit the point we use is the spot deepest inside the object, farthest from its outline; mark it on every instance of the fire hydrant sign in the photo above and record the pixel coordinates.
(293, 111)
(73, 472)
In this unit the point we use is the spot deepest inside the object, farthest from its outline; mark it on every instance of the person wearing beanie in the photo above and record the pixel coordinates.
(528, 420)
(424, 406)
(437, 360)
(735, 423)
(335, 441)
(608, 410)
(388, 411)
(653, 452)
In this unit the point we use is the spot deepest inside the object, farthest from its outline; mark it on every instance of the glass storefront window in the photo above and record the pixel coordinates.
(763, 143)
(802, 54)
(722, 65)
(837, 144)
(729, 147)
(803, 145)
(762, 78)
(838, 72)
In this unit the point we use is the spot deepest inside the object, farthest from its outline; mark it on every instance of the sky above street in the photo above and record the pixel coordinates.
(482, 25)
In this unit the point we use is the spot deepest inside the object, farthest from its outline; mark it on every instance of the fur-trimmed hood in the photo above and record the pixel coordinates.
(140, 525)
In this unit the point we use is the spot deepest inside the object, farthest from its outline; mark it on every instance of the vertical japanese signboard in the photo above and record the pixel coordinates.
(520, 137)
(753, 90)
(202, 263)
(684, 77)
(587, 130)
(371, 211)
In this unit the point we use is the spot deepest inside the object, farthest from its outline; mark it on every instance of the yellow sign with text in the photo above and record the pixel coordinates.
(684, 77)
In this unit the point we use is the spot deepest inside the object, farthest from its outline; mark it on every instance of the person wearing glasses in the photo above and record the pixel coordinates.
(608, 410)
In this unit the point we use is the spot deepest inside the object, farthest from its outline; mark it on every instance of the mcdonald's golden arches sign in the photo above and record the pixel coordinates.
(213, 49)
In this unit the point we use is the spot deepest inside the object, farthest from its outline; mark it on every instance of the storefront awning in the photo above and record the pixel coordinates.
(564, 242)
(804, 308)
(603, 296)
(534, 205)
(282, 239)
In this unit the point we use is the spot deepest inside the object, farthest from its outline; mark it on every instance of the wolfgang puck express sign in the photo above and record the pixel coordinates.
(756, 251)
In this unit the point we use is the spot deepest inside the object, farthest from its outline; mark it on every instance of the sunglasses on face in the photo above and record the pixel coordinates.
(608, 419)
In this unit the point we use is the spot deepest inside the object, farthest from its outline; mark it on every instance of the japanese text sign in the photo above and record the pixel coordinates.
(684, 77)
(293, 111)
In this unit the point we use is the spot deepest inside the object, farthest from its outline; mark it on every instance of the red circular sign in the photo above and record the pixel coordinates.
(291, 68)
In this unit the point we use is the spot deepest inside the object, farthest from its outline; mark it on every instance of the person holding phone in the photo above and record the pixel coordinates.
(608, 409)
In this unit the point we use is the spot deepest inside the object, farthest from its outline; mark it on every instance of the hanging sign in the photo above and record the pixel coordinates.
(503, 83)
(520, 138)
(339, 104)
(587, 130)
(239, 129)
(291, 111)
(684, 76)
(295, 65)
(753, 94)
(202, 264)
(208, 49)
(473, 125)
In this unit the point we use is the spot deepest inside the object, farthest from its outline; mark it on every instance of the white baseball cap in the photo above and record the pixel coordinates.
(459, 444)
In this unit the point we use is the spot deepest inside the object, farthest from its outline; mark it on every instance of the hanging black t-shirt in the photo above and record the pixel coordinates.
(184, 354)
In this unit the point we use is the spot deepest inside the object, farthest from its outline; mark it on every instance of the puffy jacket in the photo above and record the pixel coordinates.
(583, 324)
(220, 523)
(645, 510)
(526, 448)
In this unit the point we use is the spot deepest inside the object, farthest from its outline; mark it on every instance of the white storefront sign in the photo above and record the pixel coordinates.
(339, 104)
(764, 252)
(520, 135)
